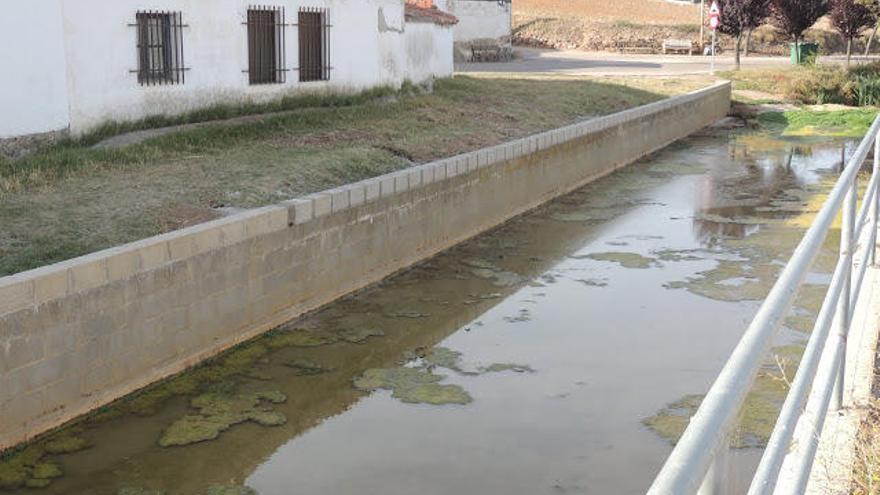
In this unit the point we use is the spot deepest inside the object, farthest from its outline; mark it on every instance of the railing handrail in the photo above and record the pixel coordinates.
(686, 468)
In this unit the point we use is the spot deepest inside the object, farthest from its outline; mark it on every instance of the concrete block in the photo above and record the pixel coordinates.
(357, 194)
(16, 292)
(451, 167)
(401, 181)
(414, 177)
(373, 189)
(440, 169)
(484, 158)
(154, 254)
(386, 185)
(473, 161)
(322, 205)
(122, 264)
(299, 211)
(461, 164)
(20, 352)
(51, 283)
(88, 272)
(339, 199)
(190, 242)
(427, 173)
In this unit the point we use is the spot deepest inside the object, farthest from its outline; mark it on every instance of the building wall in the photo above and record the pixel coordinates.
(81, 333)
(479, 19)
(428, 51)
(33, 92)
(86, 53)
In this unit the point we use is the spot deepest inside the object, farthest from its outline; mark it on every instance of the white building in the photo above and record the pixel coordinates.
(73, 65)
(481, 24)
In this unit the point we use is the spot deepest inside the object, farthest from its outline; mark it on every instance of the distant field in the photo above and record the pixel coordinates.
(635, 11)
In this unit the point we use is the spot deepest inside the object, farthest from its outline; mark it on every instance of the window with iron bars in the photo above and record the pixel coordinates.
(314, 45)
(160, 48)
(266, 45)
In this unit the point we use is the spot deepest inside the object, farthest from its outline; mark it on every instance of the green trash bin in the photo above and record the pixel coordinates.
(804, 53)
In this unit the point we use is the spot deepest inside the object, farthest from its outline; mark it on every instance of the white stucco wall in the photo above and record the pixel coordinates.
(428, 51)
(479, 18)
(101, 54)
(33, 93)
(76, 70)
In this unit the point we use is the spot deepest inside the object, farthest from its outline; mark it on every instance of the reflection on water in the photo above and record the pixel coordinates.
(562, 332)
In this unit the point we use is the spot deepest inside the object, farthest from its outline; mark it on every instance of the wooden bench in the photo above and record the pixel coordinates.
(635, 46)
(678, 46)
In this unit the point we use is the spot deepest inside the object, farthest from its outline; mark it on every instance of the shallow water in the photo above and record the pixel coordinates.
(597, 298)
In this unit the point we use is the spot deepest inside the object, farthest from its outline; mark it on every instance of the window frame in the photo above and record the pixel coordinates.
(314, 44)
(159, 48)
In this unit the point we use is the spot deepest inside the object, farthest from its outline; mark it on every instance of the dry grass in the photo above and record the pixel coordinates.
(866, 468)
(66, 202)
(635, 11)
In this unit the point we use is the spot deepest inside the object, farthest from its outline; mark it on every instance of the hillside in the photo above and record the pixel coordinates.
(635, 11)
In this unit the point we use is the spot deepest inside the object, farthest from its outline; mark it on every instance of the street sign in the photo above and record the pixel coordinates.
(714, 15)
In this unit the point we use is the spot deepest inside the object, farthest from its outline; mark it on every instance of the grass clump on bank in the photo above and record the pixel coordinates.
(819, 85)
(839, 123)
(72, 199)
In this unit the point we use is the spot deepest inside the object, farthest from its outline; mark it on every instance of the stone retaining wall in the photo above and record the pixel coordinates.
(81, 333)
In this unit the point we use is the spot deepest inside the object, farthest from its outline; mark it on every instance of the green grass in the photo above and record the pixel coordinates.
(842, 123)
(70, 199)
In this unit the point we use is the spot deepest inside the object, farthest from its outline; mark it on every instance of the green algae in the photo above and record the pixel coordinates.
(501, 367)
(592, 214)
(731, 281)
(594, 282)
(678, 169)
(443, 357)
(217, 412)
(305, 367)
(759, 411)
(300, 337)
(359, 335)
(741, 220)
(679, 255)
(65, 443)
(230, 490)
(408, 313)
(136, 490)
(626, 260)
(412, 385)
(28, 466)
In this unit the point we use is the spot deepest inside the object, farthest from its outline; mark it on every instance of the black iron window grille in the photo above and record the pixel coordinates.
(314, 45)
(266, 45)
(160, 48)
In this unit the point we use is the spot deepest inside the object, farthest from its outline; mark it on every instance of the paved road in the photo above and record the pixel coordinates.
(576, 62)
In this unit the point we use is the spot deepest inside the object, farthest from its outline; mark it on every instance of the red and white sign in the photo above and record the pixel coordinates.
(714, 15)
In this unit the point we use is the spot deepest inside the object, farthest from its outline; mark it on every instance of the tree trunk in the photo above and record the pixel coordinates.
(748, 42)
(871, 39)
(848, 51)
(739, 38)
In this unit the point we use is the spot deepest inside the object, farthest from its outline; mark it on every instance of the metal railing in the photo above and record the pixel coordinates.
(698, 463)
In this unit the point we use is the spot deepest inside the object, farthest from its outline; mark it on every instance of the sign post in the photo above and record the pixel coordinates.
(714, 22)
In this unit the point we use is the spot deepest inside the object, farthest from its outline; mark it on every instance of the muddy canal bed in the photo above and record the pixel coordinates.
(560, 353)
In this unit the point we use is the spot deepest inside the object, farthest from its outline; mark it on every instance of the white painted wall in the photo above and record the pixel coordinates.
(84, 74)
(479, 18)
(33, 92)
(428, 51)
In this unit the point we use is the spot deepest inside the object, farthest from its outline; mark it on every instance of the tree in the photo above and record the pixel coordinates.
(794, 17)
(739, 17)
(850, 17)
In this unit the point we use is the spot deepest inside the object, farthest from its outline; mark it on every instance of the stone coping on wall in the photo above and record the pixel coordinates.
(39, 286)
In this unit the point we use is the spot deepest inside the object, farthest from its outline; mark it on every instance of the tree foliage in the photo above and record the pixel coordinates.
(850, 17)
(796, 16)
(738, 16)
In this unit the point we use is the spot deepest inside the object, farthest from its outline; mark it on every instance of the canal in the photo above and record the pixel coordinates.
(560, 353)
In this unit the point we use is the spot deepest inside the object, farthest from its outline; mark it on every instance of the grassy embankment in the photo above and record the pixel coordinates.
(71, 199)
(807, 101)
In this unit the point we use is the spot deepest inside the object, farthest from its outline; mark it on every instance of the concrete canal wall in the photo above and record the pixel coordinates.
(81, 333)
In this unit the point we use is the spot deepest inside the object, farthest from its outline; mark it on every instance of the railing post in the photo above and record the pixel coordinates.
(847, 227)
(875, 199)
(716, 482)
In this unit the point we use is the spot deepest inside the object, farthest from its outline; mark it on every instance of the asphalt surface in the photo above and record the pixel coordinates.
(574, 62)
